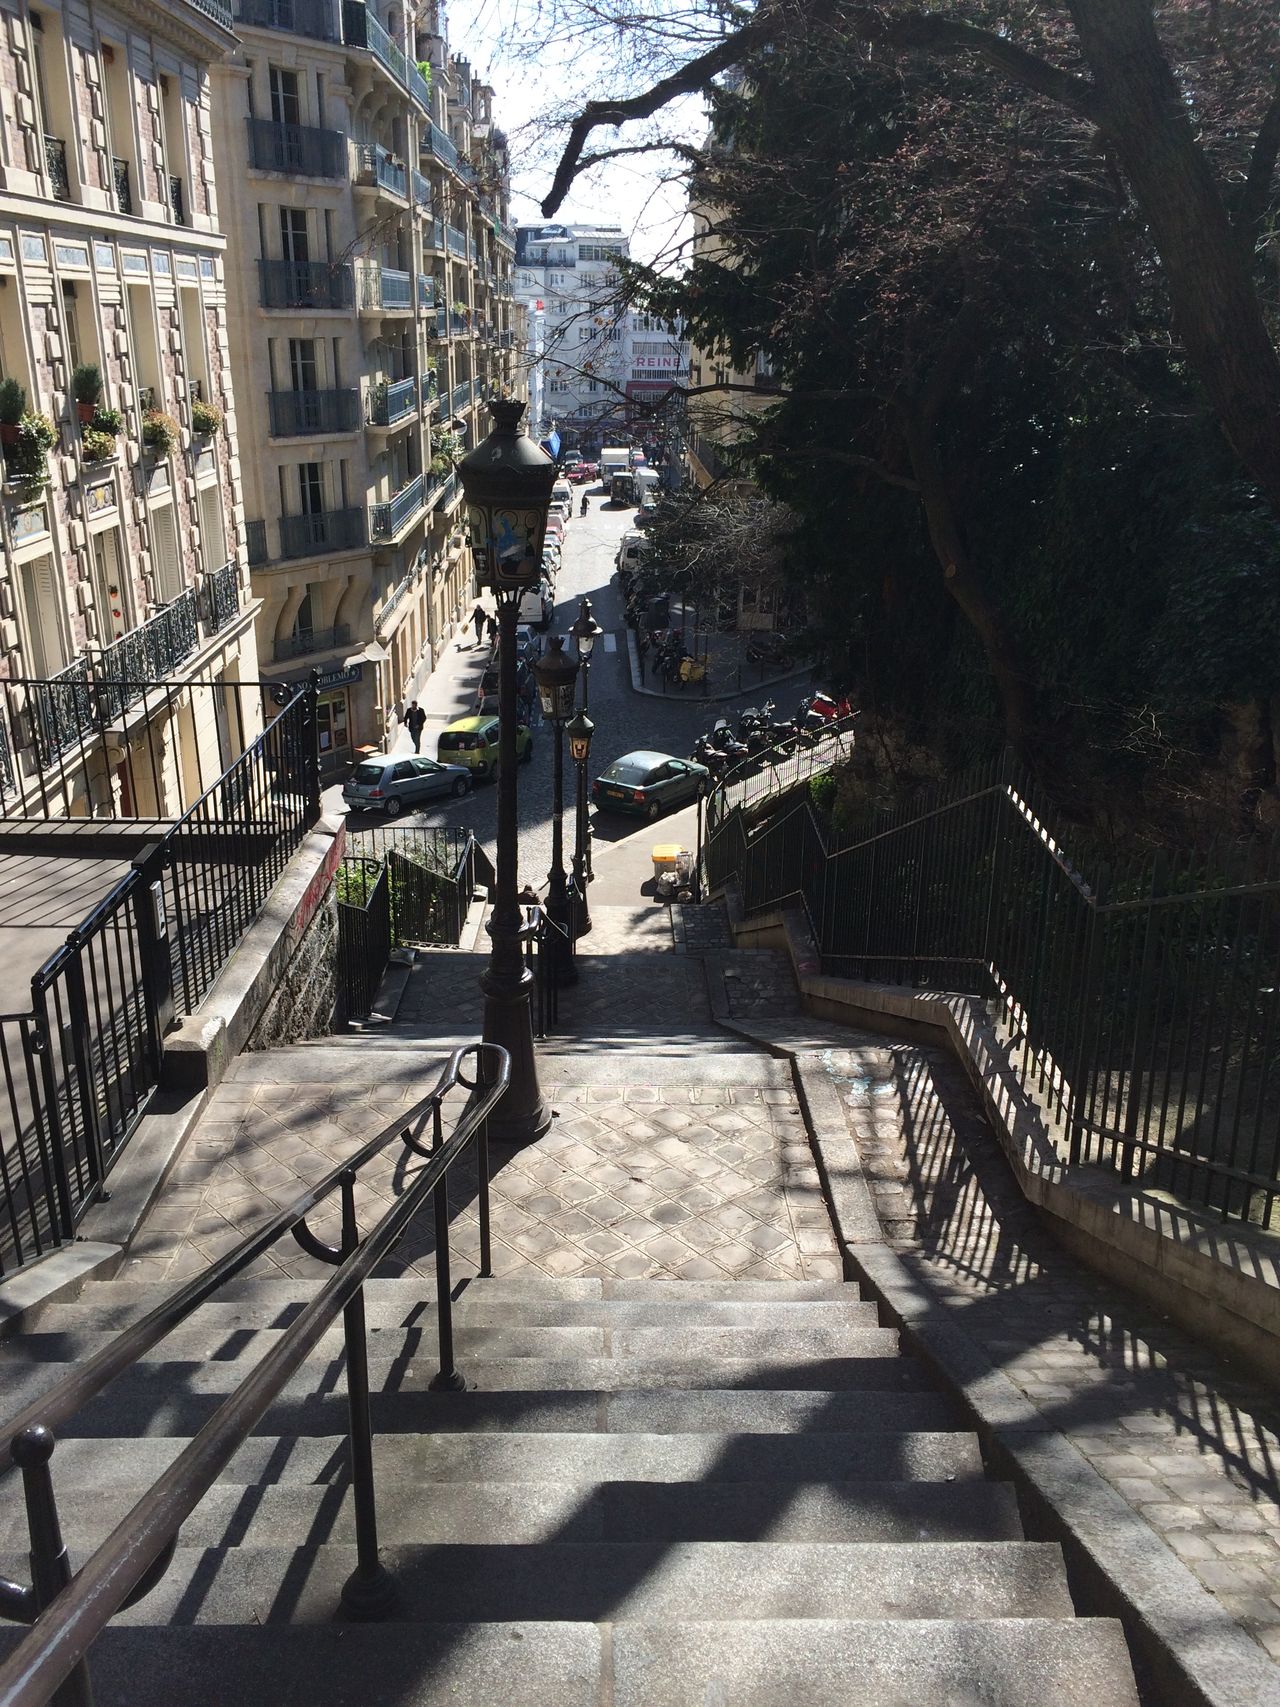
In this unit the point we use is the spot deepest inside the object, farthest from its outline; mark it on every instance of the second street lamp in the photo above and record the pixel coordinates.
(507, 481)
(580, 729)
(585, 631)
(556, 675)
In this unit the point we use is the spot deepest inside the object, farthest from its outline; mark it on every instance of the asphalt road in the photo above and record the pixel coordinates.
(624, 720)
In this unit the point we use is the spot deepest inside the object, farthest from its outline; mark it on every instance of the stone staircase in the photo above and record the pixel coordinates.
(655, 1493)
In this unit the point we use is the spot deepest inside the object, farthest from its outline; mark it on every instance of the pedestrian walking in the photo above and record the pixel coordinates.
(415, 721)
(493, 629)
(479, 617)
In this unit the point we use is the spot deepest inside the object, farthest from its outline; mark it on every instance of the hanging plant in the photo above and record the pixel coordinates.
(160, 432)
(107, 421)
(86, 388)
(205, 417)
(27, 456)
(13, 406)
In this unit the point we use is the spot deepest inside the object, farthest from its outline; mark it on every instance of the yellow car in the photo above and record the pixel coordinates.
(473, 742)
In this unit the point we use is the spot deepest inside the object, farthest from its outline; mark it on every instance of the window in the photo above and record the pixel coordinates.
(46, 651)
(169, 578)
(108, 586)
(310, 488)
(293, 234)
(213, 536)
(285, 105)
(71, 323)
(302, 364)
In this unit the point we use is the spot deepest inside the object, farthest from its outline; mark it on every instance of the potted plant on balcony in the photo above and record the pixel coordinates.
(27, 456)
(161, 434)
(13, 406)
(86, 388)
(206, 418)
(107, 420)
(97, 445)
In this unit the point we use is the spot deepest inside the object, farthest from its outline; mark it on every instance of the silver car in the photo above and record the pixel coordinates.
(394, 784)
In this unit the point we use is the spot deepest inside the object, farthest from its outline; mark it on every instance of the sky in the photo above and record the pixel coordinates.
(643, 194)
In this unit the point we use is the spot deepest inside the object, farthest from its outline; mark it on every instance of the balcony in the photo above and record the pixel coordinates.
(460, 398)
(55, 164)
(306, 640)
(433, 235)
(440, 327)
(215, 9)
(426, 291)
(457, 242)
(438, 143)
(392, 403)
(221, 597)
(431, 393)
(421, 191)
(505, 234)
(386, 520)
(325, 530)
(124, 191)
(256, 543)
(361, 29)
(459, 324)
(384, 290)
(151, 653)
(375, 169)
(306, 284)
(295, 414)
(300, 150)
(315, 19)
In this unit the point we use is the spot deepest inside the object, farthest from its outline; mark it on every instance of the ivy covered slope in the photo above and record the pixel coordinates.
(1016, 515)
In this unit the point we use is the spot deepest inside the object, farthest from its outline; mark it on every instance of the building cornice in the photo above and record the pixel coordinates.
(195, 25)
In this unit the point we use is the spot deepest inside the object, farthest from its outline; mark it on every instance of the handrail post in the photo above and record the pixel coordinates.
(369, 1592)
(447, 1378)
(50, 1567)
(482, 1169)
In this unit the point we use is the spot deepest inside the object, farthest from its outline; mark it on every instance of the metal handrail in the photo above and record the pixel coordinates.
(138, 1546)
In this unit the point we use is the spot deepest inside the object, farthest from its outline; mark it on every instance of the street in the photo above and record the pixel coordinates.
(624, 720)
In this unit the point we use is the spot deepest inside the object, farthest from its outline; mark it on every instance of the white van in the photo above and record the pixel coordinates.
(537, 607)
(632, 549)
(562, 493)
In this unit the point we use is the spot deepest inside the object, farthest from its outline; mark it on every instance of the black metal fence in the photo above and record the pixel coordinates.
(79, 1069)
(1140, 1001)
(421, 880)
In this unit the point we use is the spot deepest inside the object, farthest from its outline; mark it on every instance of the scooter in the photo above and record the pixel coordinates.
(723, 739)
(705, 754)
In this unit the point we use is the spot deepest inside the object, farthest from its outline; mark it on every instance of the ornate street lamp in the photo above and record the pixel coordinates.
(580, 729)
(507, 483)
(585, 631)
(557, 677)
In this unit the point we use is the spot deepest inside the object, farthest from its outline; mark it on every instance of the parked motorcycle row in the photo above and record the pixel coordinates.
(760, 732)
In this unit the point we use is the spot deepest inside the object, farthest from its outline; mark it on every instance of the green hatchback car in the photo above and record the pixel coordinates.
(648, 783)
(473, 742)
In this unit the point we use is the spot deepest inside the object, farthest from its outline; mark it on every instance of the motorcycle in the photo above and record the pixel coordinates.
(723, 740)
(761, 730)
(705, 754)
(822, 708)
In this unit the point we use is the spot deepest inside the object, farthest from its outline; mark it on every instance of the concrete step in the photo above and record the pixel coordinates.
(1027, 1662)
(173, 1399)
(434, 1455)
(604, 1580)
(298, 1514)
(275, 1288)
(474, 1308)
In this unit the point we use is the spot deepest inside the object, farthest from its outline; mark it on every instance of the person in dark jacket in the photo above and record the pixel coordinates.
(415, 721)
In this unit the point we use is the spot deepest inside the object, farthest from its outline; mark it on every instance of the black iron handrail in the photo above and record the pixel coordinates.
(75, 1610)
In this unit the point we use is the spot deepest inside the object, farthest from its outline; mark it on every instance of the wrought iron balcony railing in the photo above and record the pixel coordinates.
(124, 191)
(301, 150)
(221, 592)
(315, 19)
(421, 190)
(256, 543)
(306, 284)
(55, 164)
(457, 241)
(61, 710)
(296, 413)
(361, 29)
(389, 403)
(305, 640)
(440, 145)
(386, 520)
(383, 287)
(325, 530)
(375, 166)
(150, 653)
(215, 9)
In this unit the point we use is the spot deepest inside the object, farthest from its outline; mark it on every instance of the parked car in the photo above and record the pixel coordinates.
(487, 690)
(648, 784)
(562, 493)
(528, 644)
(581, 472)
(394, 784)
(473, 742)
(631, 551)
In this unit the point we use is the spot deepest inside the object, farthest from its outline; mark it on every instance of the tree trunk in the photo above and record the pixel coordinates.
(962, 584)
(1218, 315)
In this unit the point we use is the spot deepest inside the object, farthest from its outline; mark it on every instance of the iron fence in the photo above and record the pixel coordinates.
(1139, 1001)
(79, 1069)
(423, 877)
(301, 150)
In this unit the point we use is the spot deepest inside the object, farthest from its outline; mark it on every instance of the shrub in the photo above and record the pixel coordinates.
(205, 417)
(86, 382)
(107, 420)
(13, 402)
(160, 432)
(822, 793)
(98, 445)
(27, 459)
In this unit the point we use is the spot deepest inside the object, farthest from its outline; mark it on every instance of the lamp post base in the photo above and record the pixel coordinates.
(523, 1114)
